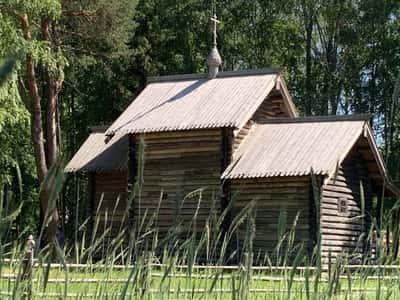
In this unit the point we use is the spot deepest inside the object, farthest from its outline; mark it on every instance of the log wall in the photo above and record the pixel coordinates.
(182, 170)
(272, 107)
(274, 195)
(110, 201)
(241, 135)
(340, 232)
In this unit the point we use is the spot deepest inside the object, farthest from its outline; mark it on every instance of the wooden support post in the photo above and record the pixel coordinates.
(27, 265)
(91, 210)
(316, 190)
(131, 173)
(226, 155)
(396, 234)
(313, 223)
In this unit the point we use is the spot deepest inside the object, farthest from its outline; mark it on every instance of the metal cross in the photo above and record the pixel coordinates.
(214, 21)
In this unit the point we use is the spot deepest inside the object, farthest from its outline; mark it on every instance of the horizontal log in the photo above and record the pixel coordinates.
(156, 142)
(336, 250)
(334, 201)
(341, 243)
(337, 237)
(117, 174)
(272, 189)
(110, 196)
(341, 219)
(164, 213)
(329, 231)
(181, 134)
(337, 225)
(329, 194)
(272, 185)
(183, 145)
(330, 208)
(174, 152)
(305, 179)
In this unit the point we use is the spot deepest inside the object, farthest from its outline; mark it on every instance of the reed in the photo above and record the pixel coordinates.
(189, 262)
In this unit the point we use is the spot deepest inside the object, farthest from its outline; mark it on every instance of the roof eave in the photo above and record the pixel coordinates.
(374, 147)
(392, 188)
(167, 78)
(386, 181)
(287, 98)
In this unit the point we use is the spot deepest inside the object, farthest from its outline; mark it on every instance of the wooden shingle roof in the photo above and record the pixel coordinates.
(299, 146)
(100, 154)
(185, 102)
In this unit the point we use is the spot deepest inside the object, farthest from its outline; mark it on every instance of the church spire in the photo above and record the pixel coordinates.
(214, 59)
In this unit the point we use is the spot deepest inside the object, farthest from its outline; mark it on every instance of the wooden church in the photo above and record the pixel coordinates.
(237, 134)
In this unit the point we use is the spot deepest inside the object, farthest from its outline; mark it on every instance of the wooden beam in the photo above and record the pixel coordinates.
(91, 195)
(312, 219)
(131, 175)
(226, 157)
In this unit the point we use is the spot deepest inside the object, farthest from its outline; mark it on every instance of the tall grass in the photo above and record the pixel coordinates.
(185, 262)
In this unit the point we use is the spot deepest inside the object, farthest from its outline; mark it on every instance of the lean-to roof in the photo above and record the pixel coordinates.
(294, 147)
(282, 148)
(100, 154)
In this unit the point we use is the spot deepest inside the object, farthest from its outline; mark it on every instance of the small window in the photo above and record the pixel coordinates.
(342, 206)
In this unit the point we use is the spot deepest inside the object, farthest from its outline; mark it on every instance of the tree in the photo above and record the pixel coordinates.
(97, 85)
(85, 32)
(38, 46)
(173, 37)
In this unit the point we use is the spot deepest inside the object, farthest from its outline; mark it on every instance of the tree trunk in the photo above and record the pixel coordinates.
(51, 92)
(35, 107)
(51, 88)
(308, 21)
(37, 139)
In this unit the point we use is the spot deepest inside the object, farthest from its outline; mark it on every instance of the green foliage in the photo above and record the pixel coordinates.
(96, 86)
(249, 35)
(36, 8)
(12, 33)
(5, 70)
(338, 57)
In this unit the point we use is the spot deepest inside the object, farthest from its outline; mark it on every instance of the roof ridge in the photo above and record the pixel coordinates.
(98, 128)
(179, 77)
(331, 118)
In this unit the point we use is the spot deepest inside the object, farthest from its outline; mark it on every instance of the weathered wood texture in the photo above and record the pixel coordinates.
(240, 135)
(272, 107)
(274, 196)
(182, 170)
(110, 202)
(342, 232)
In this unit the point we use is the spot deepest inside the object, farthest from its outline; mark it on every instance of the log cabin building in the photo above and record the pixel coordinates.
(236, 134)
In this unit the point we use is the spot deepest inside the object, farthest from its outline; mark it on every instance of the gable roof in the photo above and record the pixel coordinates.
(193, 102)
(292, 147)
(100, 154)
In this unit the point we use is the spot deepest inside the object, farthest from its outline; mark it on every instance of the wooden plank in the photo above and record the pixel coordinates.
(250, 181)
(274, 195)
(180, 134)
(340, 232)
(175, 165)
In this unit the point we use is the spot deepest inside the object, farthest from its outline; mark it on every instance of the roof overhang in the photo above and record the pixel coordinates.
(388, 187)
(287, 98)
(192, 101)
(343, 139)
(366, 145)
(100, 153)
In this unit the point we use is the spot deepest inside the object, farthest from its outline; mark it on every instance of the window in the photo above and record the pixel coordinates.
(342, 206)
